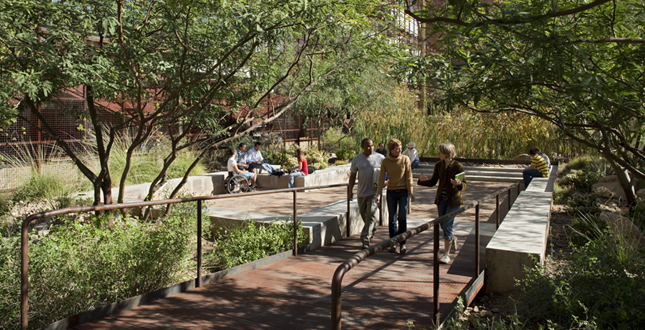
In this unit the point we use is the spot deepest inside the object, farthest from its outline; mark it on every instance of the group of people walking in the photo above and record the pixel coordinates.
(392, 169)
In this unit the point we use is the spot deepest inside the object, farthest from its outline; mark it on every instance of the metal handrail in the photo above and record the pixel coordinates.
(24, 267)
(337, 280)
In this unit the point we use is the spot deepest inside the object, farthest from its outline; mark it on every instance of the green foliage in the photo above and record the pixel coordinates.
(4, 204)
(83, 265)
(580, 180)
(502, 136)
(472, 321)
(555, 60)
(586, 203)
(46, 186)
(601, 286)
(255, 241)
(343, 145)
(317, 158)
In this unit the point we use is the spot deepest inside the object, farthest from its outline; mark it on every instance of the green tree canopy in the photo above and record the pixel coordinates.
(179, 64)
(579, 65)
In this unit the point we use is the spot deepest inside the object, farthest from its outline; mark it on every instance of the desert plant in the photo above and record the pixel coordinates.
(84, 265)
(254, 241)
(602, 285)
(343, 145)
(317, 158)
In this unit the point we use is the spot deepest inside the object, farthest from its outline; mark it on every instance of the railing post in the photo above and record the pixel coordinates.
(477, 240)
(198, 280)
(509, 199)
(380, 208)
(349, 221)
(24, 277)
(435, 276)
(295, 223)
(497, 211)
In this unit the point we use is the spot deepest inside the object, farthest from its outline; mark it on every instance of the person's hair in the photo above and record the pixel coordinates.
(381, 144)
(534, 151)
(393, 144)
(257, 144)
(448, 149)
(232, 151)
(300, 154)
(364, 141)
(242, 145)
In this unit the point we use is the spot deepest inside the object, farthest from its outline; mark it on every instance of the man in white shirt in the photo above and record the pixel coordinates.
(413, 154)
(232, 168)
(367, 165)
(255, 160)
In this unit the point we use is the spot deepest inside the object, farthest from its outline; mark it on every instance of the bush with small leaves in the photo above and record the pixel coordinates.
(254, 241)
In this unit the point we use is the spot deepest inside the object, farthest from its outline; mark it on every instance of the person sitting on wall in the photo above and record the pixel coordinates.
(413, 154)
(255, 160)
(231, 165)
(301, 170)
(538, 167)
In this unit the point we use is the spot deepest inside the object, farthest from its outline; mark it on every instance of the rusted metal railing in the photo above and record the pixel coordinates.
(336, 286)
(24, 269)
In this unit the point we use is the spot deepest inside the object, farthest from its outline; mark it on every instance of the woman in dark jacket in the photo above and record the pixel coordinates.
(449, 190)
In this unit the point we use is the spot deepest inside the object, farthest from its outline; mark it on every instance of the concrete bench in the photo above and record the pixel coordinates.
(521, 239)
(330, 175)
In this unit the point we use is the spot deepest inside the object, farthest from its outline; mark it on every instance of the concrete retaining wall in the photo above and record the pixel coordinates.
(521, 239)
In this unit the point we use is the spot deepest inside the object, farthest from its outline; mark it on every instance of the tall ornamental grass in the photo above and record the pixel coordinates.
(476, 135)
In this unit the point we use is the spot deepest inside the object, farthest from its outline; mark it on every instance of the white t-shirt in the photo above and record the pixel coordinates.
(231, 164)
(253, 156)
(366, 167)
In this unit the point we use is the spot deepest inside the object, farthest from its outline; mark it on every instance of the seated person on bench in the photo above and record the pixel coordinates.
(231, 165)
(255, 160)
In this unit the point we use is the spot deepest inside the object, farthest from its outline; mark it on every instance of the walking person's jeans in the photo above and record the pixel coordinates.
(447, 225)
(529, 175)
(398, 222)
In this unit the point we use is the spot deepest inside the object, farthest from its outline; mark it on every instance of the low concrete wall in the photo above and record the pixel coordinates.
(323, 225)
(521, 239)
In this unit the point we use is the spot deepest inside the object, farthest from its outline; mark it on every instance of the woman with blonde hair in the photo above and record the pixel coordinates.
(449, 190)
(399, 188)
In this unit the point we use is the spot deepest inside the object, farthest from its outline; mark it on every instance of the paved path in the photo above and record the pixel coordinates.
(383, 292)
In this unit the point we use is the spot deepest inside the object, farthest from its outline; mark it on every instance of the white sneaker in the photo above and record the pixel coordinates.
(444, 259)
(454, 243)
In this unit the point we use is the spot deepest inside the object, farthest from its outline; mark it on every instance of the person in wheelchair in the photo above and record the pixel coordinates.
(234, 170)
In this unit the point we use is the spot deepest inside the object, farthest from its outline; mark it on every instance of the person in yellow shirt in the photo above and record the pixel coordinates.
(538, 167)
(399, 188)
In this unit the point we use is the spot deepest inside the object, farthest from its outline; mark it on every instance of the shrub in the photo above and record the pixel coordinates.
(601, 286)
(580, 180)
(254, 241)
(335, 141)
(583, 203)
(316, 158)
(46, 186)
(79, 266)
